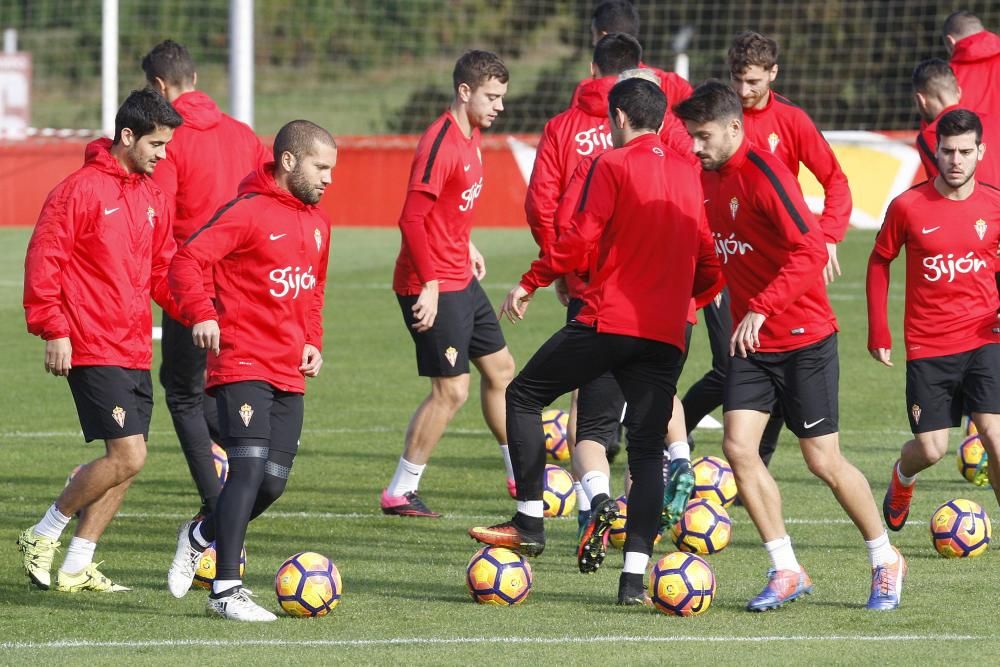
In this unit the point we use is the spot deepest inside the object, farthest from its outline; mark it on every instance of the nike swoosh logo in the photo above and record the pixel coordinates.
(109, 211)
(928, 231)
(468, 167)
(808, 425)
(275, 237)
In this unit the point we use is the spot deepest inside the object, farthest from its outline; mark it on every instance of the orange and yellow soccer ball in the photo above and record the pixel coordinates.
(308, 584)
(498, 576)
(714, 480)
(705, 528)
(558, 497)
(972, 461)
(555, 426)
(960, 529)
(682, 584)
(205, 574)
(221, 461)
(617, 533)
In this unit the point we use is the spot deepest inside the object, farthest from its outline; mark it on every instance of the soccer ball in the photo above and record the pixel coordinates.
(555, 425)
(705, 528)
(972, 460)
(221, 461)
(960, 529)
(714, 479)
(682, 584)
(970, 427)
(308, 584)
(558, 495)
(617, 534)
(498, 576)
(205, 574)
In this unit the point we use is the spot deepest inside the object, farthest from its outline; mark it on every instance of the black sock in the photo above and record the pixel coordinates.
(224, 594)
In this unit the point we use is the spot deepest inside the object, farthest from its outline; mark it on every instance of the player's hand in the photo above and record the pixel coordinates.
(425, 310)
(832, 268)
(206, 335)
(515, 305)
(478, 262)
(58, 356)
(312, 359)
(881, 355)
(562, 290)
(746, 336)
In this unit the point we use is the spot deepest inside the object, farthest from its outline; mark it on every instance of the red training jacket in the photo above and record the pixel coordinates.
(640, 227)
(270, 252)
(988, 170)
(100, 249)
(976, 63)
(772, 252)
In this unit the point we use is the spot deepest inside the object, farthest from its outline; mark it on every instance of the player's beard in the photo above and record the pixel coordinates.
(137, 164)
(302, 189)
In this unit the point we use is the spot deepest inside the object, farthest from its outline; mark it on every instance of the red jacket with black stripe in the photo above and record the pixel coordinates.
(100, 249)
(270, 253)
(771, 250)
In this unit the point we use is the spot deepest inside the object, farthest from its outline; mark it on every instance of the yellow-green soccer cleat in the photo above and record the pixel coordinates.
(38, 551)
(87, 579)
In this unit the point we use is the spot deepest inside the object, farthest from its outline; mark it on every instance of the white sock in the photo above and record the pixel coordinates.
(595, 483)
(52, 524)
(679, 450)
(535, 508)
(406, 478)
(220, 585)
(79, 555)
(582, 499)
(505, 451)
(199, 538)
(635, 563)
(782, 555)
(880, 552)
(903, 479)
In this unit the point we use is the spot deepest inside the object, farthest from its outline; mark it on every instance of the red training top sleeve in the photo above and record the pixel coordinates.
(49, 250)
(543, 190)
(314, 319)
(412, 226)
(818, 158)
(708, 280)
(164, 249)
(890, 240)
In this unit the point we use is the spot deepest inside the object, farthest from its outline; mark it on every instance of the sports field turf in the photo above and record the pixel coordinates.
(405, 600)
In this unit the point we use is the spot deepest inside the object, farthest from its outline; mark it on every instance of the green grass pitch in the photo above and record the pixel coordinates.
(405, 600)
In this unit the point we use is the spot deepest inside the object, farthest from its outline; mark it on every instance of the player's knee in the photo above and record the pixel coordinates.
(271, 488)
(453, 392)
(519, 397)
(824, 466)
(503, 373)
(127, 461)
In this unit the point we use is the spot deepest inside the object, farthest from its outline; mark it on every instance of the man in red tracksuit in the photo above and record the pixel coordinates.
(209, 156)
(100, 249)
(975, 58)
(784, 346)
(640, 228)
(268, 250)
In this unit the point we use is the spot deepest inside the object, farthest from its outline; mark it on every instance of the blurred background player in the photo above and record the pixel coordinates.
(87, 295)
(209, 155)
(256, 371)
(784, 347)
(936, 92)
(951, 332)
(437, 279)
(975, 58)
(639, 229)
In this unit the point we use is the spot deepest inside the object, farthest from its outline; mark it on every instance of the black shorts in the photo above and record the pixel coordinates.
(255, 409)
(573, 309)
(112, 402)
(466, 328)
(940, 389)
(804, 382)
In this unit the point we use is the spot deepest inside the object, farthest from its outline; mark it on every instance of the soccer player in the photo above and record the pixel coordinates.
(437, 279)
(936, 92)
(640, 230)
(268, 251)
(784, 345)
(950, 227)
(209, 156)
(975, 58)
(100, 249)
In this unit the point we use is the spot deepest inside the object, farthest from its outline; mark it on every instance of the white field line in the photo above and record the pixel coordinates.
(439, 641)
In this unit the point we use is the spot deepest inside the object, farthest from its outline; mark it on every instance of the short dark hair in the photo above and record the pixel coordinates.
(933, 75)
(959, 121)
(962, 24)
(298, 138)
(475, 68)
(642, 101)
(170, 62)
(616, 16)
(143, 111)
(752, 48)
(617, 52)
(712, 101)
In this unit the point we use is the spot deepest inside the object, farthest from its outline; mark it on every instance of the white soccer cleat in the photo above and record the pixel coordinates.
(239, 607)
(185, 563)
